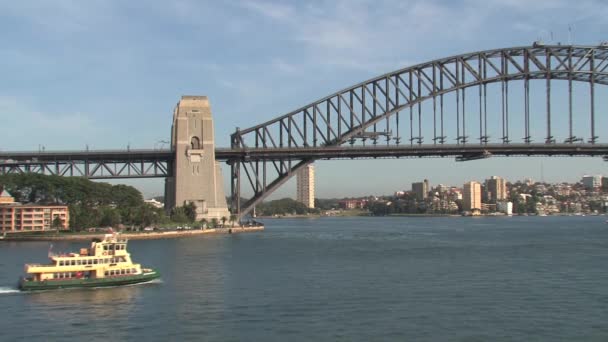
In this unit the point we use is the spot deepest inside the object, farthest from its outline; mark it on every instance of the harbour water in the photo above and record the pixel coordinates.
(338, 279)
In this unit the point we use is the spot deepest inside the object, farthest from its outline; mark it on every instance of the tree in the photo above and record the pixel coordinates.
(203, 223)
(109, 217)
(178, 215)
(214, 223)
(57, 223)
(282, 207)
(190, 211)
(233, 219)
(224, 219)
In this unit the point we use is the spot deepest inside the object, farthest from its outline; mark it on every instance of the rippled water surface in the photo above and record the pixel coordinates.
(416, 279)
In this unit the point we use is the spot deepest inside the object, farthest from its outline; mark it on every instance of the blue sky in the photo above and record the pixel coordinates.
(108, 73)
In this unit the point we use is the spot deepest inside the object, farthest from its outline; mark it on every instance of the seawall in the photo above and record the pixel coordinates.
(134, 236)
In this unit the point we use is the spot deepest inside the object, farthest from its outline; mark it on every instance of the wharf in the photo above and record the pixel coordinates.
(131, 236)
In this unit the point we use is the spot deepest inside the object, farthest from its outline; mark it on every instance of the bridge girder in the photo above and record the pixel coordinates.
(370, 110)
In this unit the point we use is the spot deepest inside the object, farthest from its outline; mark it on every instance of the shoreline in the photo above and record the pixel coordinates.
(134, 236)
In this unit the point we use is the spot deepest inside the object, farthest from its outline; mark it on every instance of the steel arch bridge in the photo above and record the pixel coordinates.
(457, 94)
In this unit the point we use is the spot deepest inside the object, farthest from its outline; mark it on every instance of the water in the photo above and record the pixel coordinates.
(338, 279)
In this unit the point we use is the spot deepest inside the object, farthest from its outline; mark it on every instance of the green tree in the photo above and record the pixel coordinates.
(233, 219)
(109, 217)
(282, 206)
(214, 223)
(190, 211)
(224, 219)
(179, 215)
(57, 223)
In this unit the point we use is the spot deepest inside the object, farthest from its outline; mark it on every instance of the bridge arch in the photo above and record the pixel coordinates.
(368, 110)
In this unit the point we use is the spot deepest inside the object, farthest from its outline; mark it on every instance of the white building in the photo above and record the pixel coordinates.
(505, 207)
(306, 186)
(154, 203)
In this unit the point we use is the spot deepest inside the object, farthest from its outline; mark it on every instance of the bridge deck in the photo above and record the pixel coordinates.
(331, 152)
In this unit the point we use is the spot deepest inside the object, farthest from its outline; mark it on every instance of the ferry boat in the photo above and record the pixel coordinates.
(105, 263)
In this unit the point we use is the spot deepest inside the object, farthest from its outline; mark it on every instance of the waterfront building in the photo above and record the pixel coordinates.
(496, 188)
(17, 217)
(505, 207)
(352, 203)
(421, 190)
(592, 182)
(488, 207)
(305, 192)
(471, 199)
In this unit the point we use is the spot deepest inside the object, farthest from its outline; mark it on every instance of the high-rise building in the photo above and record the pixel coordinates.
(496, 188)
(592, 182)
(306, 186)
(421, 189)
(471, 199)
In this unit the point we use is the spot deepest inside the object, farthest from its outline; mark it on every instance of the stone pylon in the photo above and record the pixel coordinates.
(197, 177)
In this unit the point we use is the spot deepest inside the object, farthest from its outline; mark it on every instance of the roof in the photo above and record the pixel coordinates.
(4, 193)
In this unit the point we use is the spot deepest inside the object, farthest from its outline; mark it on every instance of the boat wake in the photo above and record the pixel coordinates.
(153, 281)
(8, 290)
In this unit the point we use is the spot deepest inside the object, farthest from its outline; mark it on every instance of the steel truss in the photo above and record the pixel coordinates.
(370, 112)
(90, 164)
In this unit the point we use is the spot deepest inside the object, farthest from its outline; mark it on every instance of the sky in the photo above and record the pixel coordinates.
(107, 74)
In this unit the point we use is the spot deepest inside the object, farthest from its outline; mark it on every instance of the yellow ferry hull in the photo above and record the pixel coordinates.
(31, 285)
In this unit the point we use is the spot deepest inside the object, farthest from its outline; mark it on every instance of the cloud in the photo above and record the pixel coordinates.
(270, 9)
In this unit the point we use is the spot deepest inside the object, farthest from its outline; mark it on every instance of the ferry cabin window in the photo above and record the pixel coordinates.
(73, 262)
(95, 261)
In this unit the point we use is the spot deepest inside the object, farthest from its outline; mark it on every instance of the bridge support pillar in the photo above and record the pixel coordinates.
(197, 177)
